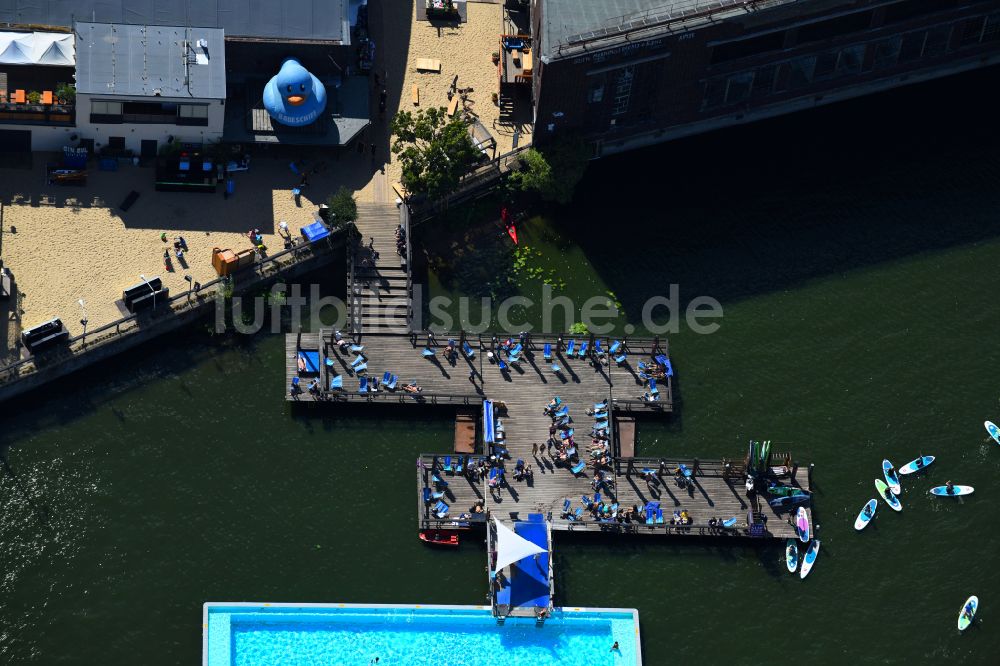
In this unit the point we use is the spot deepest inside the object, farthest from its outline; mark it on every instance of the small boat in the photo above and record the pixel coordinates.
(993, 430)
(916, 465)
(889, 472)
(439, 537)
(866, 515)
(968, 612)
(512, 232)
(809, 558)
(802, 525)
(508, 223)
(791, 555)
(942, 491)
(886, 494)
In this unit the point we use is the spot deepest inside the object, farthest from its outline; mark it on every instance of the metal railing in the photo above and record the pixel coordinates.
(178, 304)
(470, 185)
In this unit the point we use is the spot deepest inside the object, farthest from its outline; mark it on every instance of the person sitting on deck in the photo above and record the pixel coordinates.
(302, 363)
(314, 387)
(412, 387)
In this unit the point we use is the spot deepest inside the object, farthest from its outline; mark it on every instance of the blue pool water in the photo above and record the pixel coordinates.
(293, 635)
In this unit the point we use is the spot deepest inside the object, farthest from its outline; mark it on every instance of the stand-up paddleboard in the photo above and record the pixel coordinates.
(942, 491)
(791, 555)
(968, 612)
(802, 525)
(993, 430)
(809, 558)
(916, 465)
(866, 515)
(889, 472)
(891, 500)
(788, 502)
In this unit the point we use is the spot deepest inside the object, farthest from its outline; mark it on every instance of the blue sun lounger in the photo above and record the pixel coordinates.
(547, 351)
(441, 509)
(652, 387)
(386, 376)
(427, 352)
(337, 383)
(583, 348)
(621, 359)
(363, 385)
(361, 368)
(579, 467)
(357, 361)
(570, 347)
(501, 365)
(391, 384)
(578, 514)
(447, 465)
(514, 358)
(431, 495)
(562, 411)
(460, 464)
(659, 516)
(516, 351)
(357, 349)
(598, 349)
(615, 346)
(328, 362)
(597, 498)
(556, 369)
(438, 481)
(585, 500)
(601, 404)
(566, 507)
(469, 353)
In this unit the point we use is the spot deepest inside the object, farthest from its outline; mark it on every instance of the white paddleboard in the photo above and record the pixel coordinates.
(809, 558)
(916, 465)
(891, 500)
(993, 430)
(802, 525)
(889, 472)
(942, 491)
(964, 621)
(861, 522)
(791, 555)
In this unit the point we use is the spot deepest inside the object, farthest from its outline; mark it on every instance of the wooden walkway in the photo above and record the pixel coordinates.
(378, 279)
(713, 491)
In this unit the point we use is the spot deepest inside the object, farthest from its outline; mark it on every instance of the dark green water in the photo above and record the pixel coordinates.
(855, 251)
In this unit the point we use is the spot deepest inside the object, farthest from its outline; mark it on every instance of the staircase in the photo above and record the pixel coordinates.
(379, 291)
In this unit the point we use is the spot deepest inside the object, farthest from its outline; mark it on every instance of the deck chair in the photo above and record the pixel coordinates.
(501, 365)
(391, 384)
(357, 349)
(386, 376)
(579, 467)
(615, 346)
(579, 514)
(570, 347)
(597, 348)
(460, 464)
(361, 368)
(295, 381)
(447, 465)
(438, 481)
(556, 369)
(469, 353)
(652, 386)
(566, 508)
(337, 383)
(441, 509)
(547, 351)
(514, 358)
(427, 352)
(562, 411)
(659, 516)
(650, 513)
(621, 359)
(363, 385)
(599, 405)
(357, 361)
(516, 351)
(328, 362)
(668, 366)
(597, 498)
(585, 500)
(583, 348)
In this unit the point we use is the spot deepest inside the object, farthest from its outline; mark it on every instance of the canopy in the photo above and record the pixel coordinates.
(489, 427)
(511, 547)
(37, 48)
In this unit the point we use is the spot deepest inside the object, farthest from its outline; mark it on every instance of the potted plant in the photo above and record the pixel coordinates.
(496, 99)
(496, 58)
(34, 97)
(66, 92)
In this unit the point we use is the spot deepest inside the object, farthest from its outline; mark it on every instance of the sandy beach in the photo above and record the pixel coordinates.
(64, 243)
(464, 49)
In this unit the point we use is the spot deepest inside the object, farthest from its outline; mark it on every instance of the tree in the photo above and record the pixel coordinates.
(567, 156)
(434, 151)
(342, 207)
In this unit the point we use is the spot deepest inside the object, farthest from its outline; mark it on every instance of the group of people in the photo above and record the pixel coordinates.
(401, 241)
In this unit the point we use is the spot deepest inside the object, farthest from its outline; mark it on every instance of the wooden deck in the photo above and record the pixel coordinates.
(465, 382)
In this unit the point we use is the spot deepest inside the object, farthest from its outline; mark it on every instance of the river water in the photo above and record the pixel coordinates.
(855, 251)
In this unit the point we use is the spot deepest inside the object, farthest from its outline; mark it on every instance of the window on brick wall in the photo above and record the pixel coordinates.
(801, 71)
(738, 87)
(850, 60)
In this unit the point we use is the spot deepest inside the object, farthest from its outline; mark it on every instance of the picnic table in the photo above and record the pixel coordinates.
(428, 65)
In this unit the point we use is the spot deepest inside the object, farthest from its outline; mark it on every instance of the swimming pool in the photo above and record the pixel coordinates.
(255, 634)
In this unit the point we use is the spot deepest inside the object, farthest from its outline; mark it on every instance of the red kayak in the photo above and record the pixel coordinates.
(439, 537)
(508, 223)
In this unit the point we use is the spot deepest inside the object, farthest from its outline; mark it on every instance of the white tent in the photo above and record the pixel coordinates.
(511, 547)
(37, 48)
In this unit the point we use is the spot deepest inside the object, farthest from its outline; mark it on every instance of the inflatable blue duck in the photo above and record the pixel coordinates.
(294, 96)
